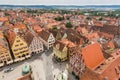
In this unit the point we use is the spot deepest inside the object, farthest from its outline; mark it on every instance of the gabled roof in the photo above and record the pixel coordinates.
(28, 37)
(61, 45)
(82, 30)
(44, 35)
(11, 35)
(68, 43)
(111, 44)
(72, 31)
(108, 45)
(57, 33)
(74, 38)
(93, 55)
(37, 28)
(93, 35)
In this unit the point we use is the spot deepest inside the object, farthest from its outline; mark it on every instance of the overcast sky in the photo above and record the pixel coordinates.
(61, 2)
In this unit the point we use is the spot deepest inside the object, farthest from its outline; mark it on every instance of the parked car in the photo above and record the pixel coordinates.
(8, 70)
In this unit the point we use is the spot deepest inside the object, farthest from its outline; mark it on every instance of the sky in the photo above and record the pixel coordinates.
(60, 2)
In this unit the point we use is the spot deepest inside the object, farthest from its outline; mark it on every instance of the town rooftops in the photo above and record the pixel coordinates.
(57, 33)
(72, 31)
(110, 65)
(44, 35)
(82, 30)
(37, 28)
(10, 36)
(4, 19)
(93, 55)
(61, 45)
(28, 37)
(20, 25)
(92, 36)
(3, 42)
(68, 43)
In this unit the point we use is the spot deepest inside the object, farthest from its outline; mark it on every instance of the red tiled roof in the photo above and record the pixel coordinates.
(3, 19)
(68, 43)
(93, 55)
(83, 30)
(20, 26)
(11, 36)
(106, 35)
(37, 28)
(92, 35)
(111, 44)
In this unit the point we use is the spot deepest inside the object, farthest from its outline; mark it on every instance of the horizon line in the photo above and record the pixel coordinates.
(60, 5)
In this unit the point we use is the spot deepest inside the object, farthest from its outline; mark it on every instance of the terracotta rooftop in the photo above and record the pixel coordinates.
(20, 26)
(82, 30)
(37, 28)
(11, 36)
(111, 44)
(68, 43)
(106, 35)
(106, 64)
(93, 35)
(93, 55)
(4, 19)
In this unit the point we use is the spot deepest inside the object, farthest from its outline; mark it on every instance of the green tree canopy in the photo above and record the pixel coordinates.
(69, 25)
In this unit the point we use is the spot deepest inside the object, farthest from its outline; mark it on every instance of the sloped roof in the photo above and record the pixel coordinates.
(111, 44)
(92, 35)
(56, 32)
(10, 36)
(3, 44)
(44, 35)
(93, 55)
(90, 75)
(4, 19)
(74, 38)
(68, 43)
(28, 37)
(61, 45)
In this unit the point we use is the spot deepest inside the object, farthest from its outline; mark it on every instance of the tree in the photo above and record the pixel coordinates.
(7, 14)
(59, 18)
(69, 25)
(88, 18)
(54, 28)
(100, 19)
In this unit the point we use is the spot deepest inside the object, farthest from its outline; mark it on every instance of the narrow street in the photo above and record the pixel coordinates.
(48, 65)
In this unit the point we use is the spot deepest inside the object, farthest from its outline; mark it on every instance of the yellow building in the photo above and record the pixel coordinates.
(18, 46)
(60, 51)
(5, 56)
